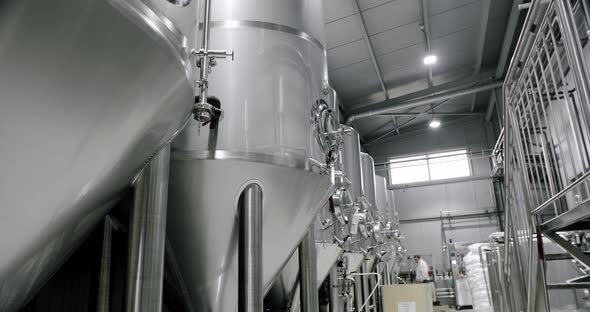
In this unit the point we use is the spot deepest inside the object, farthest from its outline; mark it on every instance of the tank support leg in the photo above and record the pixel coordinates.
(358, 292)
(335, 298)
(251, 292)
(308, 273)
(385, 273)
(103, 302)
(147, 236)
(365, 278)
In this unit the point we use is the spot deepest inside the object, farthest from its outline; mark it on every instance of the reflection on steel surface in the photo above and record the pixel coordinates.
(90, 90)
(250, 297)
(147, 236)
(268, 26)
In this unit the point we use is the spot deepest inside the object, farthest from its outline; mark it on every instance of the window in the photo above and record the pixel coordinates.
(429, 167)
(409, 169)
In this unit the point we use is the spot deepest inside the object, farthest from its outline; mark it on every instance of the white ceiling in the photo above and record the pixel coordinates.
(398, 42)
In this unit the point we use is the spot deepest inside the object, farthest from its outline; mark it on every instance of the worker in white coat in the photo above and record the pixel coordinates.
(421, 270)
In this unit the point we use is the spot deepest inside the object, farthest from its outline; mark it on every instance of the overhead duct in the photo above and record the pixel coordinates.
(422, 101)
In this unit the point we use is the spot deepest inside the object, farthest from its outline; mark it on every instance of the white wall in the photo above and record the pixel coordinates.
(457, 198)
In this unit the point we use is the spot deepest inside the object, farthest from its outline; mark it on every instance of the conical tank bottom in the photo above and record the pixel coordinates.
(203, 225)
(355, 260)
(286, 291)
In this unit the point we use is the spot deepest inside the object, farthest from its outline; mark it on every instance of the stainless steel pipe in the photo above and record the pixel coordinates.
(386, 277)
(365, 281)
(335, 298)
(147, 236)
(308, 273)
(204, 66)
(358, 293)
(251, 292)
(394, 107)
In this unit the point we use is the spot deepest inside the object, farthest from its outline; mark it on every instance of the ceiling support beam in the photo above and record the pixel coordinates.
(394, 121)
(372, 54)
(504, 53)
(411, 121)
(426, 31)
(418, 130)
(393, 106)
(508, 36)
(407, 91)
(485, 15)
(432, 113)
(416, 117)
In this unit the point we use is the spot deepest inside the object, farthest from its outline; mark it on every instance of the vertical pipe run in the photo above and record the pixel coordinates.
(499, 200)
(365, 281)
(250, 296)
(308, 273)
(386, 277)
(335, 300)
(147, 236)
(204, 69)
(358, 293)
(103, 304)
(206, 22)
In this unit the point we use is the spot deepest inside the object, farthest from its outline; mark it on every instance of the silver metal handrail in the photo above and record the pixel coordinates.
(373, 292)
(548, 202)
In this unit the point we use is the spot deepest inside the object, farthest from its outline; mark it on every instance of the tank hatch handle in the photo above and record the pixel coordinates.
(217, 115)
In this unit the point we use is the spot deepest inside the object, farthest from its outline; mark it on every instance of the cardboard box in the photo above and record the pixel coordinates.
(408, 298)
(441, 308)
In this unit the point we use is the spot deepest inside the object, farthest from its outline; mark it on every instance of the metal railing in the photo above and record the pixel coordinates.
(374, 291)
(547, 131)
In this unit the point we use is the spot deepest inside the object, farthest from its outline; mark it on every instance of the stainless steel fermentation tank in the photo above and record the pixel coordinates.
(350, 156)
(276, 131)
(382, 221)
(368, 180)
(331, 231)
(332, 236)
(90, 91)
(383, 207)
(369, 203)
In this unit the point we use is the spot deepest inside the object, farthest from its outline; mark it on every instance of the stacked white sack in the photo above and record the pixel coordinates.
(476, 280)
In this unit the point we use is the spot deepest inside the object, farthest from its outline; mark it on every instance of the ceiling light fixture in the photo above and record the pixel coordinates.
(430, 59)
(434, 123)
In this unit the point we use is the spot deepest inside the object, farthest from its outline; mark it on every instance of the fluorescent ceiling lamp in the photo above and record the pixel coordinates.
(434, 123)
(429, 59)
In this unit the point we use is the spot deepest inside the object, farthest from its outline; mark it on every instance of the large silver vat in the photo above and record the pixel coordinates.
(391, 202)
(89, 92)
(381, 199)
(350, 156)
(368, 179)
(270, 95)
(369, 196)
